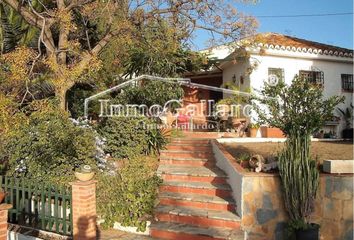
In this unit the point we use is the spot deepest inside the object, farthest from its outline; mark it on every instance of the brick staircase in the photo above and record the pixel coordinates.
(195, 199)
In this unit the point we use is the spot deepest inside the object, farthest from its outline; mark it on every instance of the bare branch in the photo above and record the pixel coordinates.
(86, 32)
(104, 41)
(46, 34)
(29, 16)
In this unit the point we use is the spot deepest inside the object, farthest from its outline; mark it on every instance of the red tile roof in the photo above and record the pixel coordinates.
(284, 42)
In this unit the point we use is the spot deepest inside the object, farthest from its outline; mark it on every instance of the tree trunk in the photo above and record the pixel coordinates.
(61, 96)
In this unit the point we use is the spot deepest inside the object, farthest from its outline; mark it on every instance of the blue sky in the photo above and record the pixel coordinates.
(334, 30)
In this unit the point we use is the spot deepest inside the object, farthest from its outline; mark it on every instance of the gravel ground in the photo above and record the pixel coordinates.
(324, 150)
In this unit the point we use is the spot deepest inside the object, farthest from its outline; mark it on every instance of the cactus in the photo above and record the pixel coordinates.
(299, 176)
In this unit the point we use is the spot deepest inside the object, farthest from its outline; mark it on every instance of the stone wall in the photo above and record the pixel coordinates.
(334, 207)
(262, 208)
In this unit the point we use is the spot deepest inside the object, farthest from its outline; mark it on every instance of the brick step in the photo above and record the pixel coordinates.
(197, 217)
(187, 154)
(190, 141)
(198, 201)
(203, 188)
(188, 147)
(190, 171)
(184, 178)
(187, 161)
(176, 231)
(183, 144)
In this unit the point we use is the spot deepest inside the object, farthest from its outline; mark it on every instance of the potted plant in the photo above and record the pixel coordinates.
(243, 160)
(297, 169)
(299, 110)
(234, 102)
(84, 173)
(348, 117)
(253, 129)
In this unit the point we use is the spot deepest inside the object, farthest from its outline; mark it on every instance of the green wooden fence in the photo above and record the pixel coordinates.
(39, 205)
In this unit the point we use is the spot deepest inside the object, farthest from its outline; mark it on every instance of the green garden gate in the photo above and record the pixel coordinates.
(39, 205)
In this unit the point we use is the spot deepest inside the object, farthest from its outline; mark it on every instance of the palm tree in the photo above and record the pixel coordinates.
(15, 31)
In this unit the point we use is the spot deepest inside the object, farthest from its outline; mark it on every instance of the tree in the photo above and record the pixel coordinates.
(300, 106)
(299, 110)
(72, 48)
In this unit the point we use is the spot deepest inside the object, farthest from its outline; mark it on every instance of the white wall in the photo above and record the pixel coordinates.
(332, 67)
(219, 52)
(234, 178)
(239, 69)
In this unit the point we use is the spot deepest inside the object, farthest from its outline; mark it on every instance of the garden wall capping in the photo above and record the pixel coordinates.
(17, 232)
(338, 166)
(260, 203)
(272, 140)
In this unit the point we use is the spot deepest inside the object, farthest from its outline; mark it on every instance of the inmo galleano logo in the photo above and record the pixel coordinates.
(207, 110)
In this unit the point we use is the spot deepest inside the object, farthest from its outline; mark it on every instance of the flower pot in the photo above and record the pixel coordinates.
(348, 133)
(311, 233)
(84, 177)
(270, 132)
(253, 132)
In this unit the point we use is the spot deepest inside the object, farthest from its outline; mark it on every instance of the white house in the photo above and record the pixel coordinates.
(286, 56)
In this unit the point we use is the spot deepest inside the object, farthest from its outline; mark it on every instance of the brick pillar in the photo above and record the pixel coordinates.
(84, 210)
(3, 220)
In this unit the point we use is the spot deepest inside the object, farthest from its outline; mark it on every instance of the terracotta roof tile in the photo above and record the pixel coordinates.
(288, 41)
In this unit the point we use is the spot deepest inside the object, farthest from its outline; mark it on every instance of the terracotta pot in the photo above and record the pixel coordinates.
(84, 177)
(269, 132)
(2, 196)
(253, 132)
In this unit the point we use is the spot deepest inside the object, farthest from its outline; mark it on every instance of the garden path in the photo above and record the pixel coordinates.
(118, 235)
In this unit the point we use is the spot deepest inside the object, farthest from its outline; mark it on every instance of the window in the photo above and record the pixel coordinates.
(347, 82)
(279, 72)
(315, 77)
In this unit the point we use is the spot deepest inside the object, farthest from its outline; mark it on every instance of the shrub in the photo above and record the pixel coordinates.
(9, 114)
(47, 146)
(129, 136)
(129, 196)
(157, 140)
(125, 137)
(76, 97)
(151, 93)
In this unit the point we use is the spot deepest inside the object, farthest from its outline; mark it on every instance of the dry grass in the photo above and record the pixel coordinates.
(324, 150)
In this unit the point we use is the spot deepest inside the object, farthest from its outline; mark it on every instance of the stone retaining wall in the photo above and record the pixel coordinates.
(259, 201)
